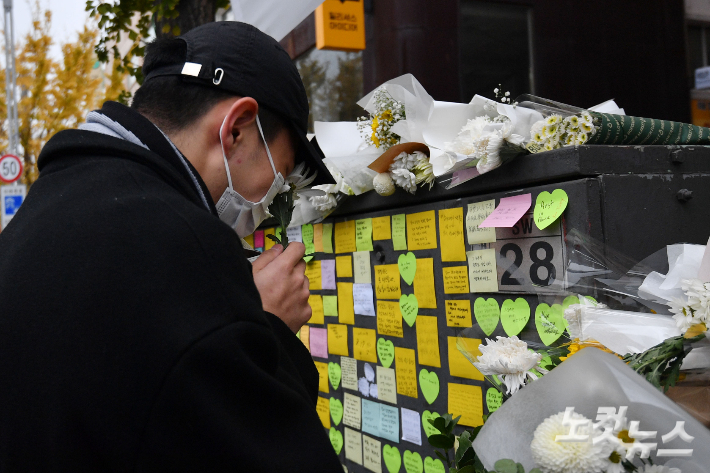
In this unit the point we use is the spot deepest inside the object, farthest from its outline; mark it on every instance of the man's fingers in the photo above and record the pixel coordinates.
(266, 257)
(293, 254)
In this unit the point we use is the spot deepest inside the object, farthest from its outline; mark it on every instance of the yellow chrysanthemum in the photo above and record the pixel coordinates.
(375, 124)
(386, 115)
(375, 140)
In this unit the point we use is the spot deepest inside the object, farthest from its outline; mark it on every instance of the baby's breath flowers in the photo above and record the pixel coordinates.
(376, 129)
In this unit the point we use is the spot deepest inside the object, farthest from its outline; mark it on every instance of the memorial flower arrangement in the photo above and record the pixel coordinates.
(695, 308)
(406, 171)
(556, 131)
(376, 129)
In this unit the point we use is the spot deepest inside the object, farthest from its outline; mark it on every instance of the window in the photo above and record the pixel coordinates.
(495, 48)
(333, 81)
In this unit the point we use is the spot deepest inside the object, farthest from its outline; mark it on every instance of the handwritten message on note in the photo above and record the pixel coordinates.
(323, 410)
(424, 283)
(428, 341)
(386, 385)
(458, 313)
(305, 336)
(389, 319)
(353, 446)
(411, 430)
(363, 300)
(344, 266)
(380, 420)
(328, 237)
(361, 267)
(322, 376)
(319, 342)
(381, 229)
(364, 340)
(330, 306)
(338, 339)
(477, 213)
(399, 233)
(352, 411)
(406, 372)
(466, 401)
(307, 234)
(318, 237)
(345, 237)
(372, 454)
(294, 234)
(453, 247)
(387, 281)
(346, 305)
(363, 234)
(508, 212)
(421, 230)
(327, 272)
(316, 303)
(458, 364)
(456, 280)
(482, 272)
(313, 273)
(348, 369)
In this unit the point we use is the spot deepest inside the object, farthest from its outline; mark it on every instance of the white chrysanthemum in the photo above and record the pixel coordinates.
(472, 139)
(404, 161)
(405, 179)
(491, 159)
(659, 469)
(298, 180)
(510, 359)
(383, 184)
(582, 138)
(586, 126)
(567, 457)
(696, 309)
(325, 202)
(423, 171)
(536, 129)
(553, 120)
(570, 139)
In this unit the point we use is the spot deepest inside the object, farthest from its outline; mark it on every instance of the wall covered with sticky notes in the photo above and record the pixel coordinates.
(408, 282)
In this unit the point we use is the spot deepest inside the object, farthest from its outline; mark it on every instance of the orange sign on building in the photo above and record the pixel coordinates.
(340, 25)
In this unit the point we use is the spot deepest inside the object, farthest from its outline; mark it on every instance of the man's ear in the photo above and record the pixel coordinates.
(242, 114)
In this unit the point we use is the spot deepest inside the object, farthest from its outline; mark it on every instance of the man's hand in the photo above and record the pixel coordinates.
(280, 278)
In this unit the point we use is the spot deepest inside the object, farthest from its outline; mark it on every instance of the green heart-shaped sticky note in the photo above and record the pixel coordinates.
(592, 300)
(429, 429)
(413, 462)
(385, 350)
(336, 410)
(407, 267)
(334, 374)
(432, 465)
(409, 306)
(549, 207)
(393, 461)
(494, 399)
(569, 300)
(550, 322)
(336, 439)
(487, 314)
(429, 382)
(514, 315)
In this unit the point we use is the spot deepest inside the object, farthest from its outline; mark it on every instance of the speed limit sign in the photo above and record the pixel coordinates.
(10, 168)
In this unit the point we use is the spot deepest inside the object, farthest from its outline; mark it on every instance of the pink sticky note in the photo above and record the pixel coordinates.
(327, 273)
(459, 177)
(319, 342)
(259, 239)
(508, 211)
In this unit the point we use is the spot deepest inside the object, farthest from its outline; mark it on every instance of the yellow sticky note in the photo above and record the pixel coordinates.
(453, 247)
(428, 341)
(327, 237)
(482, 272)
(389, 319)
(346, 304)
(387, 282)
(363, 234)
(459, 364)
(345, 237)
(316, 303)
(381, 229)
(466, 401)
(322, 376)
(268, 242)
(399, 232)
(323, 410)
(338, 339)
(421, 230)
(424, 283)
(364, 341)
(250, 240)
(477, 213)
(344, 266)
(313, 273)
(456, 280)
(406, 372)
(318, 237)
(458, 313)
(306, 336)
(330, 306)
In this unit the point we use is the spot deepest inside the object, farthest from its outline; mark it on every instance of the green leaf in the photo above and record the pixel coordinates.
(521, 468)
(536, 470)
(506, 466)
(439, 423)
(464, 446)
(442, 441)
(469, 458)
(441, 456)
(467, 469)
(274, 238)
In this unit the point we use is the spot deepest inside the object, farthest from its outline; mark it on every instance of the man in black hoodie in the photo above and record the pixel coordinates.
(134, 333)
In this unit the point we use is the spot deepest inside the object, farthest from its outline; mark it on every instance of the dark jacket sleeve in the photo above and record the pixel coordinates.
(229, 405)
(298, 355)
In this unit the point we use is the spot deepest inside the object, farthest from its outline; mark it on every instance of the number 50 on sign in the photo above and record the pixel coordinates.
(10, 168)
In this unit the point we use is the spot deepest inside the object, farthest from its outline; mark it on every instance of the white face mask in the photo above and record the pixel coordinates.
(236, 211)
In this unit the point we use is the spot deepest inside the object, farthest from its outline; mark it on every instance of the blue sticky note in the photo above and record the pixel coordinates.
(380, 420)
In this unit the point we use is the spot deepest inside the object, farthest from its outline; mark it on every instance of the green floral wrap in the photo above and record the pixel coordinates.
(625, 130)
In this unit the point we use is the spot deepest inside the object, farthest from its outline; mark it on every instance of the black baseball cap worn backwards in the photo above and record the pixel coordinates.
(238, 58)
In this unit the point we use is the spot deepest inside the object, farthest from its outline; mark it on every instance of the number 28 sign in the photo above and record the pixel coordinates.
(10, 168)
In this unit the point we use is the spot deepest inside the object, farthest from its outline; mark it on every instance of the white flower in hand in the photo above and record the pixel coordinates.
(510, 359)
(298, 180)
